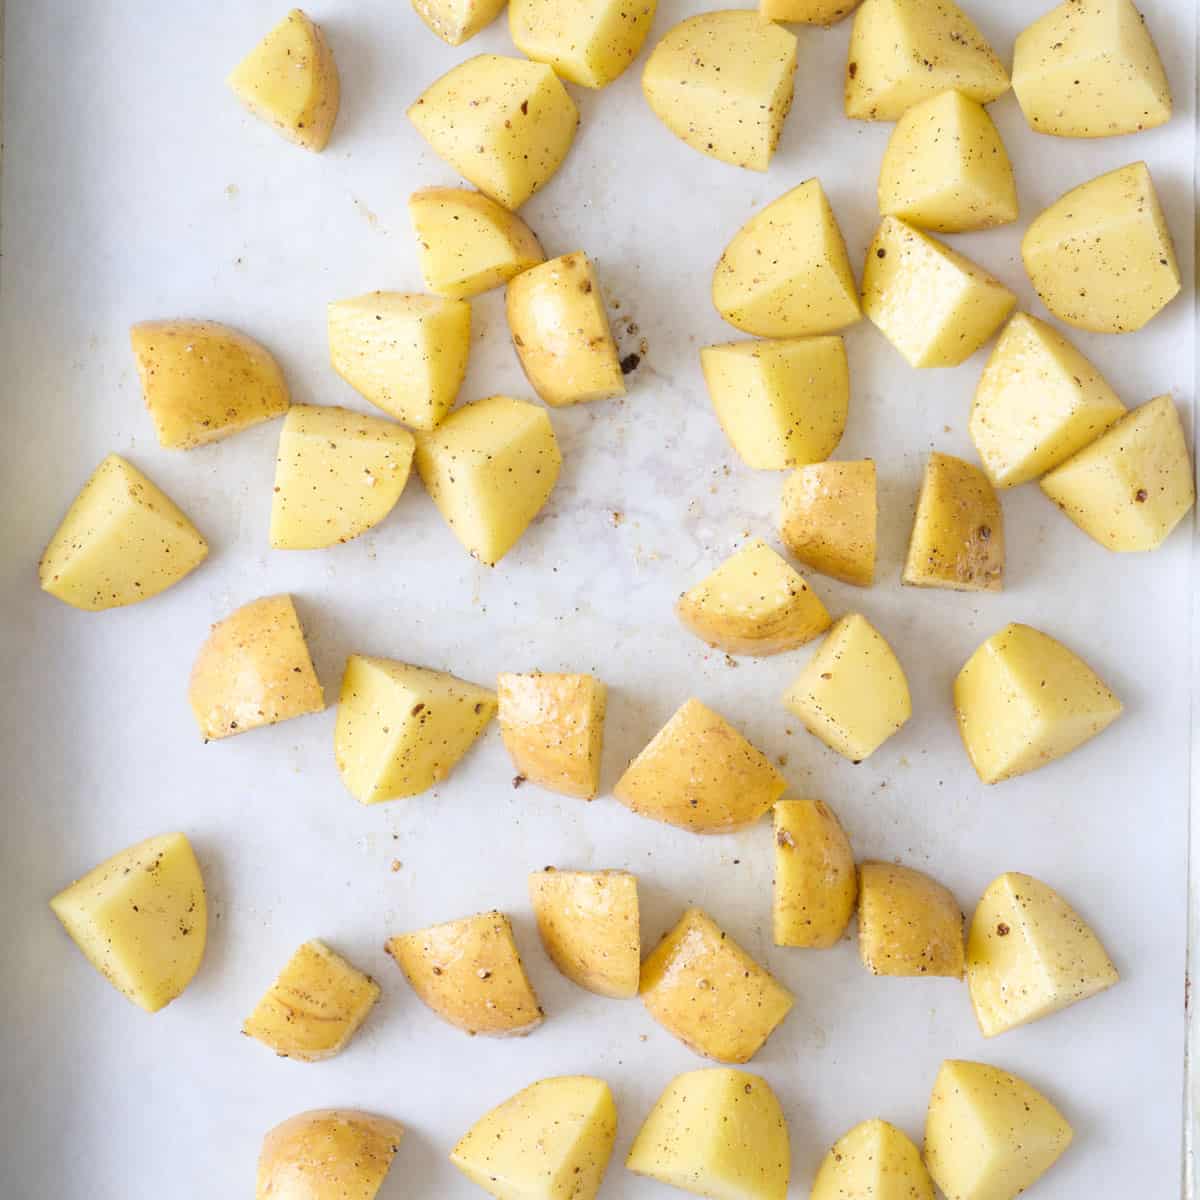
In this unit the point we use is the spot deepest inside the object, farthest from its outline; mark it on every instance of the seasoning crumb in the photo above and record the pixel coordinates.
(629, 363)
(518, 780)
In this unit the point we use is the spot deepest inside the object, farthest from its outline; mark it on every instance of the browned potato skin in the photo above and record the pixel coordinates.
(815, 878)
(829, 517)
(908, 924)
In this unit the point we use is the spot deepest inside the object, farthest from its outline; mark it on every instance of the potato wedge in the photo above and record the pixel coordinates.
(873, 1161)
(457, 21)
(908, 924)
(589, 43)
(807, 12)
(828, 517)
(815, 878)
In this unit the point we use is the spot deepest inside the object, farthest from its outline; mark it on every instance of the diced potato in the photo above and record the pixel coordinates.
(337, 474)
(700, 773)
(469, 972)
(828, 517)
(1101, 257)
(141, 919)
(904, 51)
(754, 603)
(457, 21)
(1030, 954)
(908, 924)
(701, 986)
(502, 123)
(203, 381)
(958, 535)
(722, 83)
(786, 272)
(467, 243)
(807, 12)
(551, 1141)
(560, 330)
(490, 469)
(1132, 486)
(401, 729)
(405, 353)
(589, 42)
(1089, 68)
(988, 1134)
(253, 670)
(716, 1132)
(553, 729)
(1024, 700)
(815, 878)
(122, 541)
(1039, 401)
(945, 168)
(290, 80)
(935, 306)
(781, 403)
(874, 1161)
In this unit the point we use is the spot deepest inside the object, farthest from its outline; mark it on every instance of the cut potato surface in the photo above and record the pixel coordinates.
(807, 12)
(874, 1161)
(815, 878)
(141, 919)
(908, 924)
(828, 518)
(457, 21)
(589, 42)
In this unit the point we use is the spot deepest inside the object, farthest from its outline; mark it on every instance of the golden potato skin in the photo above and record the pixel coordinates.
(457, 21)
(816, 881)
(873, 1161)
(908, 924)
(807, 12)
(828, 517)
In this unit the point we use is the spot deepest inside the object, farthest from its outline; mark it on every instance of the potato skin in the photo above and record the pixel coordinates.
(873, 1161)
(816, 882)
(828, 518)
(908, 924)
(589, 43)
(457, 21)
(807, 12)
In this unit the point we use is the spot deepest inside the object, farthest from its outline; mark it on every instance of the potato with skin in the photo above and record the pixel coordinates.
(815, 878)
(908, 923)
(873, 1161)
(828, 518)
(590, 42)
(807, 12)
(457, 21)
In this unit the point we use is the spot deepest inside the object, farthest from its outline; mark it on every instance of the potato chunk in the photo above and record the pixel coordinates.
(1133, 485)
(1024, 700)
(551, 1141)
(988, 1134)
(958, 535)
(315, 1006)
(722, 83)
(457, 21)
(253, 670)
(716, 1132)
(141, 919)
(467, 243)
(589, 43)
(1101, 256)
(502, 123)
(807, 12)
(754, 603)
(469, 972)
(489, 469)
(122, 541)
(945, 168)
(560, 330)
(700, 773)
(874, 1161)
(904, 51)
(1089, 68)
(1039, 401)
(786, 272)
(908, 924)
(290, 80)
(815, 878)
(553, 729)
(701, 986)
(934, 305)
(828, 518)
(1030, 955)
(401, 729)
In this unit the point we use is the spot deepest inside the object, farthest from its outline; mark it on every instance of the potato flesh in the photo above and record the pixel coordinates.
(589, 43)
(807, 12)
(815, 878)
(122, 541)
(457, 21)
(908, 924)
(873, 1161)
(828, 518)
(140, 919)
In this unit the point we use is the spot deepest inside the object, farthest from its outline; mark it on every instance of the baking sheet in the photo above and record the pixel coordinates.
(134, 187)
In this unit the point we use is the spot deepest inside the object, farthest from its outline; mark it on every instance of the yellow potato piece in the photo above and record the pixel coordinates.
(700, 773)
(490, 469)
(553, 729)
(873, 1161)
(401, 729)
(945, 168)
(807, 12)
(469, 972)
(122, 541)
(701, 986)
(904, 51)
(958, 535)
(988, 1134)
(935, 306)
(722, 83)
(141, 919)
(467, 243)
(786, 272)
(290, 80)
(908, 924)
(560, 330)
(1089, 68)
(815, 878)
(828, 517)
(1101, 256)
(589, 42)
(253, 670)
(754, 603)
(457, 21)
(1023, 700)
(502, 123)
(716, 1132)
(1038, 402)
(781, 403)
(1134, 484)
